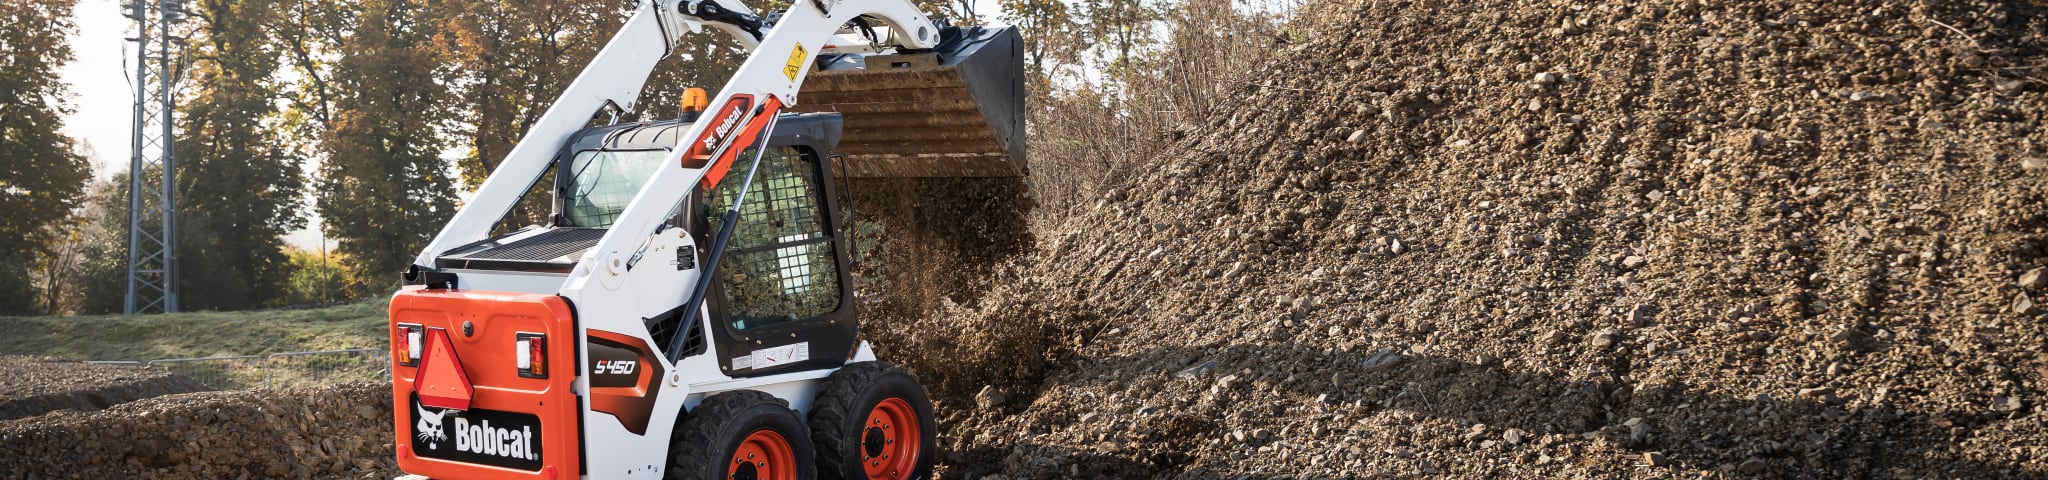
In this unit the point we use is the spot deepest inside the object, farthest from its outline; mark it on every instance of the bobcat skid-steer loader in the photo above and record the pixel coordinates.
(686, 309)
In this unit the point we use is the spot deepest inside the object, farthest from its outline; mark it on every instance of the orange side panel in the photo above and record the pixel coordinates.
(494, 431)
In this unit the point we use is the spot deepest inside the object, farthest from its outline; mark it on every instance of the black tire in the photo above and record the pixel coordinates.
(840, 417)
(704, 445)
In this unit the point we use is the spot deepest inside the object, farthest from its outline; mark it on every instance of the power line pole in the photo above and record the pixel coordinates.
(152, 226)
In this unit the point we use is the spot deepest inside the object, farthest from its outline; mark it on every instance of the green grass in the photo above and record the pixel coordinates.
(196, 334)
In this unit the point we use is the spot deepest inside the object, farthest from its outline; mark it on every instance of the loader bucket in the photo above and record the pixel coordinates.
(955, 111)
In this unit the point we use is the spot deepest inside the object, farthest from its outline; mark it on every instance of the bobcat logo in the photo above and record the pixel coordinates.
(430, 427)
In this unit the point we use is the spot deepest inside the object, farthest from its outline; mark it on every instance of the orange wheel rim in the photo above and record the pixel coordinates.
(890, 441)
(765, 455)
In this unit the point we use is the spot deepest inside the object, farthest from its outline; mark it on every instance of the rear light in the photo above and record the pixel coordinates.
(532, 354)
(407, 345)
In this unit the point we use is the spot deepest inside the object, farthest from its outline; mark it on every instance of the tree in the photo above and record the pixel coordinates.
(1049, 31)
(1120, 27)
(239, 189)
(369, 89)
(41, 175)
(101, 281)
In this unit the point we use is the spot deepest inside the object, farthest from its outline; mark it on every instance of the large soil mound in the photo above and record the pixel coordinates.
(1543, 239)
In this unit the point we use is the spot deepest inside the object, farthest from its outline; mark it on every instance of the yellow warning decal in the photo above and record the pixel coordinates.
(796, 62)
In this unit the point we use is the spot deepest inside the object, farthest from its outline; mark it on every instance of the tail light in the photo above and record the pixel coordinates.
(532, 353)
(406, 346)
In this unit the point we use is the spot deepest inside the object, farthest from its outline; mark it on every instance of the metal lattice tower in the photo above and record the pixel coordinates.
(152, 226)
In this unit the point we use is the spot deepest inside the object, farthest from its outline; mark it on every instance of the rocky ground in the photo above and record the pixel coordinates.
(31, 386)
(1542, 239)
(333, 432)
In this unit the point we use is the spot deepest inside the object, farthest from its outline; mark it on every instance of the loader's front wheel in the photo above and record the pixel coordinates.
(741, 435)
(873, 421)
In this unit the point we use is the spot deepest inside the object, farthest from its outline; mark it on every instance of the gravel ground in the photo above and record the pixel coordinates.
(335, 432)
(31, 386)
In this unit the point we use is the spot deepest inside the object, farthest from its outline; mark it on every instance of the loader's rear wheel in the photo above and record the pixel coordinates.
(741, 435)
(873, 421)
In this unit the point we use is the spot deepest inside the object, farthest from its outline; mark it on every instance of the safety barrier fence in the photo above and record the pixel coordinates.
(279, 370)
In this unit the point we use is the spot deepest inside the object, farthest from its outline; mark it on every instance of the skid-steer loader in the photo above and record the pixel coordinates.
(686, 311)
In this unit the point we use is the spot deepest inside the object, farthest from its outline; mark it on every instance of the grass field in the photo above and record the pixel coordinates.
(196, 334)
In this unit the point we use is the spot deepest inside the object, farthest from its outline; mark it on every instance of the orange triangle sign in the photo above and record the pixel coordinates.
(442, 383)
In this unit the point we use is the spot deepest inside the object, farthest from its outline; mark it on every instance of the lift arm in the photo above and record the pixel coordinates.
(765, 83)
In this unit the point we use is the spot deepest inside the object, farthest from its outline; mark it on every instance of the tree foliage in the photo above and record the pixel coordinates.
(41, 176)
(372, 92)
(238, 188)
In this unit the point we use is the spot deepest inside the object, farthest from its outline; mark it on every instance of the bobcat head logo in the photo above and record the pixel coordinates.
(429, 427)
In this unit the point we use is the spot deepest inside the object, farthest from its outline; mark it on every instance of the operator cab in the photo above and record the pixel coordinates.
(601, 169)
(781, 275)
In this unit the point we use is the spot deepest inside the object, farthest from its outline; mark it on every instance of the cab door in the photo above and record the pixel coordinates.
(783, 296)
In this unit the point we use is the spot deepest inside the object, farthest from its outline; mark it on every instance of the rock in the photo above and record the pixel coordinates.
(2007, 404)
(1655, 195)
(1816, 392)
(1357, 136)
(1604, 338)
(989, 398)
(1382, 360)
(1394, 245)
(1752, 466)
(1655, 459)
(2035, 278)
(1548, 78)
(2021, 304)
(1633, 261)
(1535, 105)
(1862, 96)
(2034, 164)
(1512, 436)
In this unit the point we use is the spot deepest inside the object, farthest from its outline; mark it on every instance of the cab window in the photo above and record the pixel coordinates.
(601, 182)
(779, 265)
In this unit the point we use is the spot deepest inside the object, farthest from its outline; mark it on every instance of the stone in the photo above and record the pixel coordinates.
(2033, 164)
(1382, 360)
(1512, 436)
(2035, 278)
(1655, 459)
(1605, 338)
(1357, 136)
(1752, 465)
(1535, 105)
(989, 398)
(1548, 78)
(1633, 261)
(2021, 304)
(1816, 392)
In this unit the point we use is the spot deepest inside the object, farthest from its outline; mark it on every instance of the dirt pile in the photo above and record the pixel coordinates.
(1540, 239)
(31, 386)
(330, 432)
